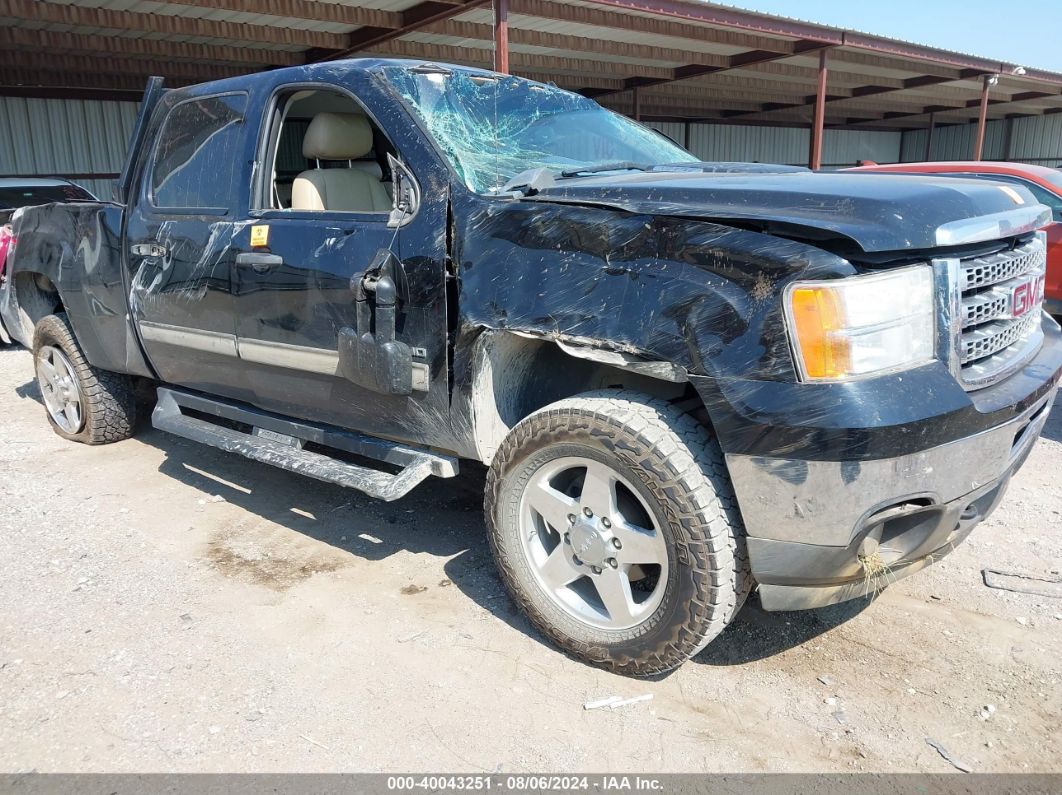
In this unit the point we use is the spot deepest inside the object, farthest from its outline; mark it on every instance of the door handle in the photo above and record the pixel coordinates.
(259, 262)
(148, 250)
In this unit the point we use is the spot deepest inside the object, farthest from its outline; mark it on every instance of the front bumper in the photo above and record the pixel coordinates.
(822, 529)
(912, 510)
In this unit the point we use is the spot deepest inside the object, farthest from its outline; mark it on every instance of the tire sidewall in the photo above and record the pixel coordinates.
(644, 469)
(46, 337)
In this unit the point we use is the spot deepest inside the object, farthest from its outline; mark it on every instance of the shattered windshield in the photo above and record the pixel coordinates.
(492, 128)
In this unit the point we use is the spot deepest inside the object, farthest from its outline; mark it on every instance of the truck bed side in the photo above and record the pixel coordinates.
(69, 257)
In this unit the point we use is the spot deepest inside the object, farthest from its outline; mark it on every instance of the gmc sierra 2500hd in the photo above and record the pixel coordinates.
(687, 379)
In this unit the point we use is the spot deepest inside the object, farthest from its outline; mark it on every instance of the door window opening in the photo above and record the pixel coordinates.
(328, 156)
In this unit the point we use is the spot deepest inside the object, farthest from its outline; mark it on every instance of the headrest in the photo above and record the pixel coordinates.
(337, 136)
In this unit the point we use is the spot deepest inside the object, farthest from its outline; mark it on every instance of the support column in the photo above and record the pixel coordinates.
(815, 155)
(636, 104)
(929, 136)
(501, 36)
(686, 137)
(982, 116)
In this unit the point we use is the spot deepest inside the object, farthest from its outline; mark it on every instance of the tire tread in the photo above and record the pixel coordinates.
(109, 407)
(697, 484)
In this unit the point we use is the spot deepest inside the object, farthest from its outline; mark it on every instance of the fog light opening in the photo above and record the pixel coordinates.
(876, 570)
(891, 536)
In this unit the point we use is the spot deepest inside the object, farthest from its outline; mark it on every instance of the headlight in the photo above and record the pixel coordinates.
(861, 325)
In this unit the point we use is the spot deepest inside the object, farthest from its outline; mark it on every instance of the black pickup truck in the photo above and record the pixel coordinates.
(687, 379)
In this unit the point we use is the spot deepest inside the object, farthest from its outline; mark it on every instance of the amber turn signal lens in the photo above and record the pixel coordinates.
(817, 318)
(861, 325)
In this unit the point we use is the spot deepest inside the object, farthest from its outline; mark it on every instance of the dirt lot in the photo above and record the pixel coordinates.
(167, 607)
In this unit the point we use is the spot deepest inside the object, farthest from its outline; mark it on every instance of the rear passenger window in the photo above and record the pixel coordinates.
(197, 162)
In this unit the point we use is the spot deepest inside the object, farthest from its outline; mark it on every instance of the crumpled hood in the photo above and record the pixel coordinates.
(878, 212)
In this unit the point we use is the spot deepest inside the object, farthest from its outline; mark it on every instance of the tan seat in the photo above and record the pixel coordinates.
(338, 136)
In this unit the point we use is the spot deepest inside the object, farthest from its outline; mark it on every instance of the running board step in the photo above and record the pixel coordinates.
(280, 441)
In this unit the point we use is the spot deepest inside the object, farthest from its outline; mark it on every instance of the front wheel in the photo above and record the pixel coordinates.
(83, 403)
(614, 526)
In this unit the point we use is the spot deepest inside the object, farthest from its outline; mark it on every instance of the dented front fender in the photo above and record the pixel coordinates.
(699, 295)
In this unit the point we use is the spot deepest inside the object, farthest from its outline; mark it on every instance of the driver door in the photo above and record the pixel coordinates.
(296, 284)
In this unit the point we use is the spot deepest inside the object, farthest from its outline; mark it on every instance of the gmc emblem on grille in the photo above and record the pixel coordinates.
(1026, 295)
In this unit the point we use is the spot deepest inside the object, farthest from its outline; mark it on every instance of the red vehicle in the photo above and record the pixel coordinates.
(1044, 183)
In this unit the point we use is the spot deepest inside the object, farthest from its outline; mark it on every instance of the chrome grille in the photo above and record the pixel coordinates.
(992, 340)
(996, 268)
(984, 308)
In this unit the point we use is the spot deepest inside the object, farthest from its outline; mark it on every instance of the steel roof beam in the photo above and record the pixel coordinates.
(729, 18)
(739, 60)
(109, 65)
(777, 26)
(560, 41)
(138, 47)
(919, 52)
(337, 13)
(866, 91)
(523, 62)
(411, 19)
(110, 19)
(976, 103)
(642, 25)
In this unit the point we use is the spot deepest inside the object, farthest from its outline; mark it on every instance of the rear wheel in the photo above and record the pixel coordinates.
(60, 389)
(83, 403)
(614, 526)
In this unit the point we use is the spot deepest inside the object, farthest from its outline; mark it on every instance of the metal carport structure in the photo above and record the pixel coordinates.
(672, 63)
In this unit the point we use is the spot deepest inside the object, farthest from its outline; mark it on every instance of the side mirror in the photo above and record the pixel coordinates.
(405, 200)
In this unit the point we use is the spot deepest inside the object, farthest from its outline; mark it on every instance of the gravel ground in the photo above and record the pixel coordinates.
(172, 608)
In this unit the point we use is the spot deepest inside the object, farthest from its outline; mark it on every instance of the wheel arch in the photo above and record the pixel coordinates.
(32, 297)
(514, 374)
(68, 258)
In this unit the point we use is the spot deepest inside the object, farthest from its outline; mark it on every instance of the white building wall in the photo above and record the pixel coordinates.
(1033, 139)
(788, 145)
(65, 137)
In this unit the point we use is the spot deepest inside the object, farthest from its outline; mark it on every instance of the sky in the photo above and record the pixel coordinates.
(1023, 32)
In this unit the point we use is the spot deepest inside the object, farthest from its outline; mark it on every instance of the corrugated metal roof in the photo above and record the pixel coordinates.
(693, 42)
(480, 44)
(593, 45)
(218, 14)
(695, 25)
(963, 53)
(569, 22)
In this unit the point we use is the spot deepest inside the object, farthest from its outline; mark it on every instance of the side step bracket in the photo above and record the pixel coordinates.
(280, 441)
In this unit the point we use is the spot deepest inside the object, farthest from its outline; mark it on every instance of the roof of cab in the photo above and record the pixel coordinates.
(317, 70)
